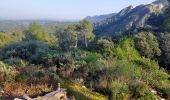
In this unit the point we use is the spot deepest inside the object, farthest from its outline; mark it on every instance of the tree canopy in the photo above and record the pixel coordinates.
(147, 44)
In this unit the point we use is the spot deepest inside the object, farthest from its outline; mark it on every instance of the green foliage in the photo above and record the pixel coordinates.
(87, 28)
(116, 70)
(149, 65)
(164, 87)
(126, 69)
(74, 33)
(66, 41)
(92, 57)
(147, 45)
(36, 32)
(125, 50)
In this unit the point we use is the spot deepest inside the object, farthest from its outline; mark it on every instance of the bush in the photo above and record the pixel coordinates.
(141, 91)
(28, 50)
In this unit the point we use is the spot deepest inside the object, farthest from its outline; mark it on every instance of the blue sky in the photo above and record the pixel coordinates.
(62, 9)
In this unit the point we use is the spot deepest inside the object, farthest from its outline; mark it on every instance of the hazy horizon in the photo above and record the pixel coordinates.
(61, 10)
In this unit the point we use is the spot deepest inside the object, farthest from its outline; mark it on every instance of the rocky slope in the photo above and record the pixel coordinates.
(142, 16)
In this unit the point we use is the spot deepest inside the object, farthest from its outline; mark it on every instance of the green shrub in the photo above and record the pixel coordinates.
(147, 44)
(6, 69)
(54, 76)
(120, 91)
(164, 88)
(126, 69)
(39, 73)
(125, 50)
(148, 64)
(106, 46)
(92, 57)
(16, 62)
(27, 50)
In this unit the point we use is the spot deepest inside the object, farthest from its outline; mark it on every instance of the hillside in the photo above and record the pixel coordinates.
(142, 16)
(51, 60)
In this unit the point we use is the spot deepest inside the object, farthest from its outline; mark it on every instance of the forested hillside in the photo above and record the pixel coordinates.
(131, 66)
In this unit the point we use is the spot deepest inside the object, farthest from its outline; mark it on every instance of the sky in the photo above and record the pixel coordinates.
(62, 9)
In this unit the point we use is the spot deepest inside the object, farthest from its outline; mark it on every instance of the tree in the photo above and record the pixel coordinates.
(165, 39)
(166, 24)
(87, 31)
(147, 45)
(5, 39)
(74, 31)
(36, 32)
(65, 41)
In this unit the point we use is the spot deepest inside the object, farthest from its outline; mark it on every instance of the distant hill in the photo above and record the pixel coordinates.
(142, 16)
(99, 18)
(21, 25)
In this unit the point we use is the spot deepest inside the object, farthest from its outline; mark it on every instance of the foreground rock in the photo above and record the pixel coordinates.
(59, 94)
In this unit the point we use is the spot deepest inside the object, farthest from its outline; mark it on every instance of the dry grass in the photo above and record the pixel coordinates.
(82, 93)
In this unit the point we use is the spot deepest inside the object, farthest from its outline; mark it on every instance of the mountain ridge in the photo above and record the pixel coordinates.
(99, 18)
